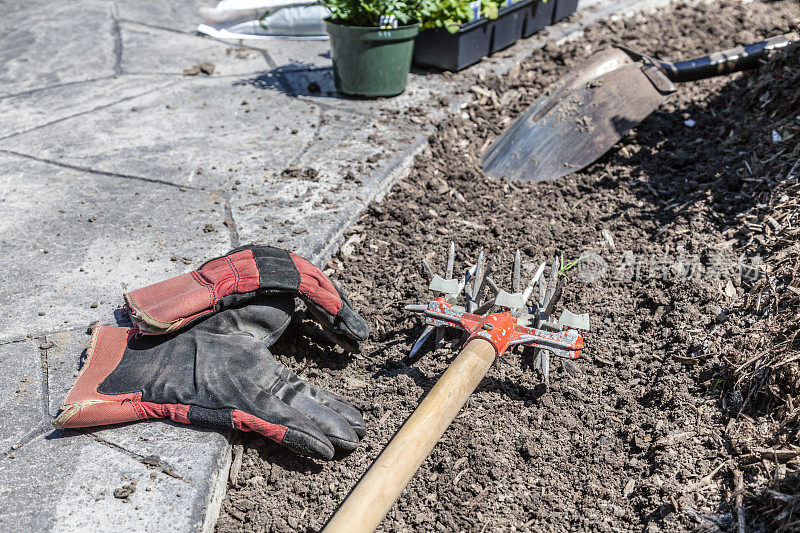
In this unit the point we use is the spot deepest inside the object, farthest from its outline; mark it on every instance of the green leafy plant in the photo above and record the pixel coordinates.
(449, 14)
(368, 12)
(566, 267)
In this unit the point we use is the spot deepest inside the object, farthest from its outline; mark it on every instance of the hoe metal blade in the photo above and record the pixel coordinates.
(578, 121)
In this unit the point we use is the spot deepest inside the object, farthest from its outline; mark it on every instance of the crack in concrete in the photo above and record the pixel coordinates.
(101, 172)
(98, 108)
(45, 368)
(162, 28)
(40, 429)
(29, 92)
(15, 340)
(42, 334)
(268, 58)
(45, 423)
(116, 34)
(317, 127)
(230, 223)
(150, 461)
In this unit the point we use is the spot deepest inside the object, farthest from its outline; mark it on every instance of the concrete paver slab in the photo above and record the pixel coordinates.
(178, 15)
(150, 51)
(37, 52)
(350, 157)
(75, 241)
(21, 390)
(196, 133)
(28, 111)
(65, 481)
(91, 463)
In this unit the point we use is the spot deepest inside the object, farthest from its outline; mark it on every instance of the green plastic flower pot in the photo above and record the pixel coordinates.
(371, 62)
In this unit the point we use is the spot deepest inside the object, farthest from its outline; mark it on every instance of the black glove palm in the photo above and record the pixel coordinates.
(219, 373)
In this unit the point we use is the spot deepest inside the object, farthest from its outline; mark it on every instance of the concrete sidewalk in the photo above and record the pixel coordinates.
(117, 171)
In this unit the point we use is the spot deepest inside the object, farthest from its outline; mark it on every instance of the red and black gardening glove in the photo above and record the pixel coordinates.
(220, 374)
(238, 276)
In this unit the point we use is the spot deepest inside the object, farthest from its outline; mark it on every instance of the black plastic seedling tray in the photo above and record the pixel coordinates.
(564, 8)
(507, 28)
(538, 16)
(441, 49)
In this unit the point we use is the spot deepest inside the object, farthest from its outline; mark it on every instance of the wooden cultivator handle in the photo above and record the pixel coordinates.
(382, 484)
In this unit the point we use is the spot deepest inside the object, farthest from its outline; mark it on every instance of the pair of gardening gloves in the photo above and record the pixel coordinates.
(198, 353)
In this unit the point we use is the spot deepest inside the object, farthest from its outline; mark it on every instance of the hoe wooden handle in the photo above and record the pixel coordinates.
(379, 488)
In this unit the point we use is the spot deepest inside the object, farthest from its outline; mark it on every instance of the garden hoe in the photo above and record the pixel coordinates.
(487, 328)
(590, 109)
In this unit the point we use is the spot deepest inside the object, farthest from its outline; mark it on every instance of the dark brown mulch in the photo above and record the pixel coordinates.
(652, 433)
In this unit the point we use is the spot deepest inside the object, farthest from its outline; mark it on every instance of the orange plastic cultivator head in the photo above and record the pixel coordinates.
(503, 319)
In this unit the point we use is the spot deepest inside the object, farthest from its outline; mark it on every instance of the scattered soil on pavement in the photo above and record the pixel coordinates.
(664, 415)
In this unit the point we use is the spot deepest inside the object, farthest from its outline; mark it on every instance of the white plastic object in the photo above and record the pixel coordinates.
(512, 301)
(447, 286)
(264, 19)
(571, 320)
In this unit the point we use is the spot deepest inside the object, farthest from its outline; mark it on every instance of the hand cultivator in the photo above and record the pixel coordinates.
(486, 327)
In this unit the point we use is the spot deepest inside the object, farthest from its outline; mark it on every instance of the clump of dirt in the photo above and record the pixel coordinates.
(309, 174)
(650, 435)
(125, 491)
(200, 68)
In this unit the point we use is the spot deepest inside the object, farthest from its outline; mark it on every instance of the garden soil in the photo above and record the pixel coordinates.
(653, 431)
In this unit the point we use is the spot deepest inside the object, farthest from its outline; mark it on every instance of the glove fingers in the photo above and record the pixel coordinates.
(308, 444)
(302, 436)
(329, 422)
(345, 327)
(333, 418)
(330, 332)
(352, 322)
(344, 409)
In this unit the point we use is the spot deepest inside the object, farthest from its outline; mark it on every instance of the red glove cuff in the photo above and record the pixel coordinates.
(85, 406)
(172, 304)
(169, 305)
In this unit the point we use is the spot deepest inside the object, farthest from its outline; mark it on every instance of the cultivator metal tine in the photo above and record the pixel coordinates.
(552, 280)
(485, 307)
(492, 285)
(543, 363)
(451, 259)
(421, 340)
(542, 291)
(534, 280)
(472, 296)
(439, 338)
(417, 308)
(481, 284)
(428, 269)
(463, 283)
(517, 269)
